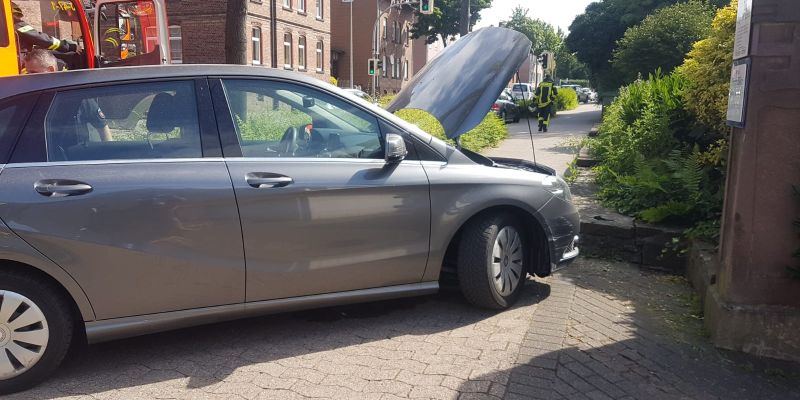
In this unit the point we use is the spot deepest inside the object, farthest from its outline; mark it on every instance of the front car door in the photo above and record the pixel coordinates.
(123, 186)
(321, 211)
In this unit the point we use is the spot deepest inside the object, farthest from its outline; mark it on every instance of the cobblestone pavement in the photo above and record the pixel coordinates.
(597, 330)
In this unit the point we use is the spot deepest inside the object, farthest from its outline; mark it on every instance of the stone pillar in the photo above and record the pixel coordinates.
(755, 304)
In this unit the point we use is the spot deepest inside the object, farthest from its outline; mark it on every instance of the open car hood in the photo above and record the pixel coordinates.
(460, 85)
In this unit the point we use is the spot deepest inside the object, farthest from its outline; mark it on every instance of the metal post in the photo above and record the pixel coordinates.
(376, 34)
(351, 45)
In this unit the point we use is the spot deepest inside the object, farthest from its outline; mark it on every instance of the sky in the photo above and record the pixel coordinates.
(559, 13)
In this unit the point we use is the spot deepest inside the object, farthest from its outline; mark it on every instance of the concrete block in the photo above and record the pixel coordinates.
(763, 330)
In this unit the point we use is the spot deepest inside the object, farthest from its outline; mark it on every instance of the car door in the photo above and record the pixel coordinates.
(125, 188)
(321, 211)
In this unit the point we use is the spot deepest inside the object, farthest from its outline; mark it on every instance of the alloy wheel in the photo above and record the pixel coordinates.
(23, 334)
(507, 260)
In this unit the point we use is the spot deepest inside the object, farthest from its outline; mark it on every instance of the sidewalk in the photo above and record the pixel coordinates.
(552, 148)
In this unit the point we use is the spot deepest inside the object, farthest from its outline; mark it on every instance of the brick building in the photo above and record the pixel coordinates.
(298, 38)
(402, 56)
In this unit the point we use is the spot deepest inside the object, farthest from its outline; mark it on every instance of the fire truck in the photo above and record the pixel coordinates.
(108, 33)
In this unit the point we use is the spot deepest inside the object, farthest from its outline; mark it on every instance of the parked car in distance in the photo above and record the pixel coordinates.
(523, 91)
(235, 191)
(505, 107)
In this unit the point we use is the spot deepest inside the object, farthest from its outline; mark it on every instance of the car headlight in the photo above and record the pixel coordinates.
(557, 187)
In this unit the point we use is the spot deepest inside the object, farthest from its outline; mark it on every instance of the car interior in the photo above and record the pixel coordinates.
(315, 125)
(144, 124)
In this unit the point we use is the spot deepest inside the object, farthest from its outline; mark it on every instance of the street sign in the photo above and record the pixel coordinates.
(741, 46)
(737, 97)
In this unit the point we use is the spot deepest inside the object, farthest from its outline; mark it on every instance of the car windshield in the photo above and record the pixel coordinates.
(520, 88)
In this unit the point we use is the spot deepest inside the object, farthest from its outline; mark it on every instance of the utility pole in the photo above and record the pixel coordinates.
(375, 48)
(464, 20)
(351, 44)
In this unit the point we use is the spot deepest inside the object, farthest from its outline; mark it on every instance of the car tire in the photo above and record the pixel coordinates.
(516, 118)
(44, 342)
(503, 115)
(489, 275)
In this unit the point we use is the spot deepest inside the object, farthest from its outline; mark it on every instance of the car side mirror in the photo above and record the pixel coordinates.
(308, 101)
(395, 148)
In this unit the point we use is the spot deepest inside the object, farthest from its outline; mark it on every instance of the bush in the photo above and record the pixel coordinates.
(708, 71)
(662, 39)
(270, 124)
(489, 133)
(637, 125)
(647, 170)
(567, 99)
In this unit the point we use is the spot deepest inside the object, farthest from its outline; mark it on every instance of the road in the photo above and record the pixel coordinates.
(554, 148)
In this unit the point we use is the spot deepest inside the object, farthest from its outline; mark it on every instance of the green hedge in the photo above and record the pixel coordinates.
(489, 133)
(567, 99)
(650, 168)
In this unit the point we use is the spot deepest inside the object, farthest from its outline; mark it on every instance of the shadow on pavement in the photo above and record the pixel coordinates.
(207, 355)
(612, 331)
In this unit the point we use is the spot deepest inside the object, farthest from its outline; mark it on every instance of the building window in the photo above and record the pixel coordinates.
(320, 57)
(175, 44)
(385, 66)
(405, 69)
(319, 9)
(301, 53)
(383, 26)
(301, 6)
(408, 34)
(391, 61)
(395, 28)
(287, 50)
(256, 40)
(287, 4)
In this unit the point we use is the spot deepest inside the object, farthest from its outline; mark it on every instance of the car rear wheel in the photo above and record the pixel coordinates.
(503, 115)
(491, 262)
(36, 330)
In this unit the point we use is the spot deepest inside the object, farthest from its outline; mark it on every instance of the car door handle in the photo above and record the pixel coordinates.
(61, 188)
(266, 180)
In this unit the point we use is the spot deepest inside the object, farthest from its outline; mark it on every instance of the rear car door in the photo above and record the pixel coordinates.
(124, 187)
(321, 211)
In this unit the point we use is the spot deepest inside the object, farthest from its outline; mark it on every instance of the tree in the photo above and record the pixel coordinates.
(708, 70)
(593, 35)
(445, 22)
(235, 36)
(661, 40)
(544, 37)
(541, 34)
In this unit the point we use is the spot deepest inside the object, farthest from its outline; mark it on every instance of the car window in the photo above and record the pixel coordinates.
(133, 121)
(277, 119)
(12, 116)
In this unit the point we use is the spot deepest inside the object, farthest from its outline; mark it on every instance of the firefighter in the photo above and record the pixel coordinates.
(545, 98)
(30, 37)
(39, 61)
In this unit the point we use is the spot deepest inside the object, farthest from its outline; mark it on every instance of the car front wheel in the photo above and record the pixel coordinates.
(36, 330)
(491, 262)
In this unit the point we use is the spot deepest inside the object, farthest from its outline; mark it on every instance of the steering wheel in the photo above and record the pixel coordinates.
(289, 142)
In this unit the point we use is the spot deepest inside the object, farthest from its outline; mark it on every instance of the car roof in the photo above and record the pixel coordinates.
(21, 84)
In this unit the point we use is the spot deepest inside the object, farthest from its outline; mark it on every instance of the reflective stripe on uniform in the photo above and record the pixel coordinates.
(23, 29)
(55, 44)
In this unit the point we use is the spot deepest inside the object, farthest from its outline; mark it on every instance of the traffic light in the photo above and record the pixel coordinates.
(380, 63)
(545, 61)
(426, 6)
(372, 66)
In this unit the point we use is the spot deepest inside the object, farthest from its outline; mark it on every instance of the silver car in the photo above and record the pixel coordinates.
(139, 200)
